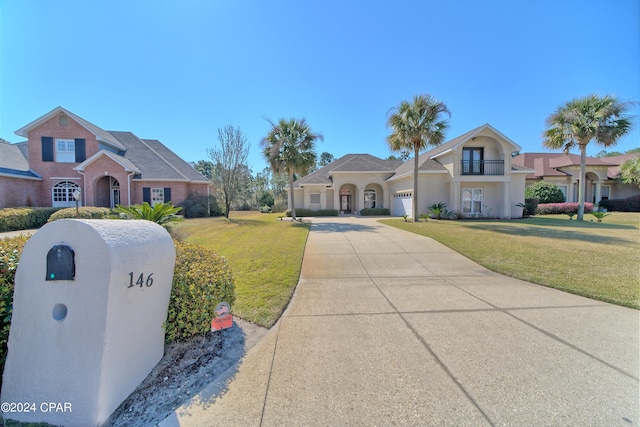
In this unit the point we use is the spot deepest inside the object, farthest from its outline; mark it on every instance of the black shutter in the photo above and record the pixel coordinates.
(146, 194)
(47, 149)
(81, 153)
(167, 194)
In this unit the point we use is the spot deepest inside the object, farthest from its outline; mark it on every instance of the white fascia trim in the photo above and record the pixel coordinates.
(165, 180)
(33, 178)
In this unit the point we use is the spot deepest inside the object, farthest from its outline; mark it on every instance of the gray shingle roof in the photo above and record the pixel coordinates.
(154, 160)
(349, 163)
(13, 161)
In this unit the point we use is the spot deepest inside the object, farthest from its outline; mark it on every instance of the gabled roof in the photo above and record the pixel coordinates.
(122, 161)
(100, 134)
(154, 160)
(455, 142)
(13, 161)
(349, 163)
(566, 160)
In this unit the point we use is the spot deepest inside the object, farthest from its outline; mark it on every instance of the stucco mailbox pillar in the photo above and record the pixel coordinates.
(90, 300)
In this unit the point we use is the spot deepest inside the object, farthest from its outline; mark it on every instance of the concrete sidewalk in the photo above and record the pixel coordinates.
(390, 328)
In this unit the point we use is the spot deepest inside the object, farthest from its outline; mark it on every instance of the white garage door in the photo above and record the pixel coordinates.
(403, 204)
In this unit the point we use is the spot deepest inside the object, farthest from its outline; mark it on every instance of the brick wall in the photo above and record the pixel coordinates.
(15, 192)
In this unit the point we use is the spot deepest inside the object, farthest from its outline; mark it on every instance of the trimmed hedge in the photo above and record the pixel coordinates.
(201, 280)
(10, 251)
(531, 206)
(630, 204)
(374, 211)
(301, 212)
(562, 208)
(85, 212)
(13, 219)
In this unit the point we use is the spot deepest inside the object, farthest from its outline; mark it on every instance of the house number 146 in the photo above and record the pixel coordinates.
(140, 280)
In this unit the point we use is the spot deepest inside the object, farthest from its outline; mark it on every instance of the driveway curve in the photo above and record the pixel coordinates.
(387, 327)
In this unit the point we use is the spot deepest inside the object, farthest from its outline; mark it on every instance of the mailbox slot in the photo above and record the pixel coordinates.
(61, 263)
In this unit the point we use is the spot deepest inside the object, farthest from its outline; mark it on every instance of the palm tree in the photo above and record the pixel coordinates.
(415, 126)
(582, 120)
(289, 148)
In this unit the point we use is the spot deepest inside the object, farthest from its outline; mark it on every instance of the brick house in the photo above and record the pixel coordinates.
(64, 153)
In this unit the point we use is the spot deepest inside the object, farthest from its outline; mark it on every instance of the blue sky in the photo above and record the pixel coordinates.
(179, 70)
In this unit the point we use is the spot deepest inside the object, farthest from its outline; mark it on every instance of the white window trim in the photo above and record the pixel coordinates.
(157, 196)
(471, 204)
(65, 150)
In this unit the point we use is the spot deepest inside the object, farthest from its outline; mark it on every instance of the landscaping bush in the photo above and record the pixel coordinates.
(85, 212)
(300, 212)
(562, 208)
(265, 209)
(201, 280)
(546, 191)
(530, 207)
(195, 206)
(374, 211)
(10, 251)
(12, 219)
(630, 204)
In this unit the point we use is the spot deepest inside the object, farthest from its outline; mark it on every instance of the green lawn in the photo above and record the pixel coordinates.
(596, 260)
(265, 255)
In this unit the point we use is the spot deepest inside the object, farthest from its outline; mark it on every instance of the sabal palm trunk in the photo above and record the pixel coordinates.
(582, 184)
(415, 183)
(293, 202)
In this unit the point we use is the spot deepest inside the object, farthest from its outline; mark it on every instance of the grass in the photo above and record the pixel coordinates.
(264, 253)
(596, 260)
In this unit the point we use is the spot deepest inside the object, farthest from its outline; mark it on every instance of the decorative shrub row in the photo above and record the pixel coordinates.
(12, 219)
(546, 191)
(300, 212)
(201, 280)
(562, 208)
(10, 251)
(630, 204)
(85, 212)
(374, 211)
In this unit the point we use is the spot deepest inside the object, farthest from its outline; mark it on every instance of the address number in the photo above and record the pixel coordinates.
(140, 281)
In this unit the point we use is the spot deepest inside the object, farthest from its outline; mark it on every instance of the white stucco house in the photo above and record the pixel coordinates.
(473, 174)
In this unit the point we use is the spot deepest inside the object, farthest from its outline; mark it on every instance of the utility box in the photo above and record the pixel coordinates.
(90, 300)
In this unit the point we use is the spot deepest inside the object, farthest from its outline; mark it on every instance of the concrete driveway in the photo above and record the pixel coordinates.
(390, 328)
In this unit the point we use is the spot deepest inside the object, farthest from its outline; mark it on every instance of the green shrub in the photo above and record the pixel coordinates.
(161, 213)
(12, 219)
(546, 191)
(562, 208)
(439, 210)
(301, 212)
(201, 280)
(630, 204)
(199, 206)
(85, 212)
(530, 207)
(374, 211)
(265, 209)
(10, 251)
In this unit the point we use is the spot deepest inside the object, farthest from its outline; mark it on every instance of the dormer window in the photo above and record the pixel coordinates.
(63, 120)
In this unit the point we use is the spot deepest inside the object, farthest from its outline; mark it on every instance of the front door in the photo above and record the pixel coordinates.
(345, 203)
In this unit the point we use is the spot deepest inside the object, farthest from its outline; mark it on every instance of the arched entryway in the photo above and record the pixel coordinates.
(346, 198)
(107, 192)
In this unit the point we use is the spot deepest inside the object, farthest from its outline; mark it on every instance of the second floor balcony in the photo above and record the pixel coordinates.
(482, 167)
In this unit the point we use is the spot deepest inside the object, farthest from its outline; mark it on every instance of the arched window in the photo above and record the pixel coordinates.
(369, 198)
(62, 194)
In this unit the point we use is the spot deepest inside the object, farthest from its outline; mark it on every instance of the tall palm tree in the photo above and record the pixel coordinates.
(415, 126)
(289, 148)
(602, 119)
